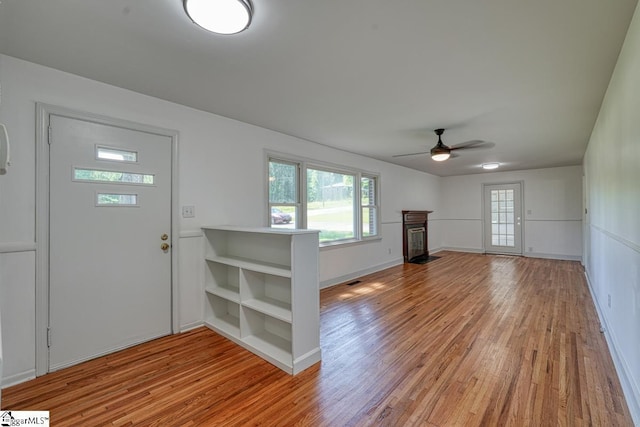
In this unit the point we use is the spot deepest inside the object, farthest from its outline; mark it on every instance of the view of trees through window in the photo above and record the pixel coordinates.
(283, 194)
(330, 204)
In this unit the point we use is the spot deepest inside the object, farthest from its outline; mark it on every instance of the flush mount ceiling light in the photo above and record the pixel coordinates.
(489, 166)
(220, 16)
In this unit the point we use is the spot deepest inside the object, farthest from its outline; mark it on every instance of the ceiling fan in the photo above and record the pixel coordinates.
(441, 152)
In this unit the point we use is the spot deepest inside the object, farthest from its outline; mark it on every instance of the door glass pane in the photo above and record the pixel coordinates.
(114, 199)
(116, 155)
(114, 177)
(502, 218)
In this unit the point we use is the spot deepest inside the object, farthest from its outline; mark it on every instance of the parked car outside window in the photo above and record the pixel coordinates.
(279, 217)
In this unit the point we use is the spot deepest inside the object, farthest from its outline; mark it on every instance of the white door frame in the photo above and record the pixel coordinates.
(43, 111)
(522, 210)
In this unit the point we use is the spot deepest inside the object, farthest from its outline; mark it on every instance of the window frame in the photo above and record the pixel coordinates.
(297, 204)
(301, 220)
(375, 206)
(354, 203)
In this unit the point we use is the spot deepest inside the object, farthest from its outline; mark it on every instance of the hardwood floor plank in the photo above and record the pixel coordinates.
(466, 340)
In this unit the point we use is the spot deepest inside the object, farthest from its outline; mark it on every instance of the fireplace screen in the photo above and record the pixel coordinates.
(415, 235)
(415, 241)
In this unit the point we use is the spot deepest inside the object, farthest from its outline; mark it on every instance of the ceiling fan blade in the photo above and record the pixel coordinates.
(473, 144)
(411, 154)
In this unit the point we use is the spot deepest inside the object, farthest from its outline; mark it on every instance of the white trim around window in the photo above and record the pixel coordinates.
(337, 200)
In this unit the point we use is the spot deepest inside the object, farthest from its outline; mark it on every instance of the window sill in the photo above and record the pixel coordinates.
(346, 243)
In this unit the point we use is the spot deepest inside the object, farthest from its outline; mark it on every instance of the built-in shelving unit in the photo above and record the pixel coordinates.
(262, 292)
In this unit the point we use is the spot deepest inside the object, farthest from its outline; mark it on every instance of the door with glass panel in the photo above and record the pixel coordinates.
(109, 238)
(503, 218)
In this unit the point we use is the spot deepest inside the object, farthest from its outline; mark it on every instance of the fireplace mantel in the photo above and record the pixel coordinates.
(415, 235)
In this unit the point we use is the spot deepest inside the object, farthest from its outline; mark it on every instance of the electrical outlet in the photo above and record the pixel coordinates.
(530, 248)
(188, 211)
(389, 250)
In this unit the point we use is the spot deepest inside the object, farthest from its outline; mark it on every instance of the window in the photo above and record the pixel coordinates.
(284, 190)
(330, 204)
(368, 205)
(329, 199)
(502, 218)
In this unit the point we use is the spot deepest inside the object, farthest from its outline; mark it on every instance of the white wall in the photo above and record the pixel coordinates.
(221, 172)
(612, 232)
(552, 209)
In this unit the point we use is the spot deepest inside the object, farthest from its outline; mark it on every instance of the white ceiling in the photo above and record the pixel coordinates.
(373, 77)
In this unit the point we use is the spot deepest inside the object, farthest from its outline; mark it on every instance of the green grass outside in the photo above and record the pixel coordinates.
(340, 217)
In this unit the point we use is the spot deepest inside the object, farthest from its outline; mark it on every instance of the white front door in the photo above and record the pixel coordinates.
(110, 214)
(503, 218)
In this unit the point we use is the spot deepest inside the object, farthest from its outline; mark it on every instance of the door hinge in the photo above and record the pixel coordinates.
(49, 136)
(48, 337)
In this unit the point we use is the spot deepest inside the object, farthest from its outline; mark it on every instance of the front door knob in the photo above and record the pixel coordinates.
(164, 246)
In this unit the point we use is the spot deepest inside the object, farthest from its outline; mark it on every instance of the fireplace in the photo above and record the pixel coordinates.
(415, 235)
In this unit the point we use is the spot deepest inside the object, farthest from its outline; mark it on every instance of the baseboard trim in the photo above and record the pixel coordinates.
(190, 326)
(553, 256)
(459, 249)
(629, 388)
(14, 379)
(527, 254)
(341, 279)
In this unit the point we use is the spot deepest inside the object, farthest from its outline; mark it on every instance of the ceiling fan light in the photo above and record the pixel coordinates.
(220, 16)
(440, 157)
(440, 152)
(492, 165)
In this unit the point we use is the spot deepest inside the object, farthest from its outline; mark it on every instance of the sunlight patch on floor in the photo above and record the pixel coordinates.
(364, 289)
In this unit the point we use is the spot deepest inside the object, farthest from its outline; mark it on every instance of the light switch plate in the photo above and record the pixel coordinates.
(188, 211)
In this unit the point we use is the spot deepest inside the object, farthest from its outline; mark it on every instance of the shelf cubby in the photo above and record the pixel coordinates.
(268, 294)
(223, 280)
(224, 315)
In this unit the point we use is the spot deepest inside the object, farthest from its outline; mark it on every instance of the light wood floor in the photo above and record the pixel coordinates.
(464, 340)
